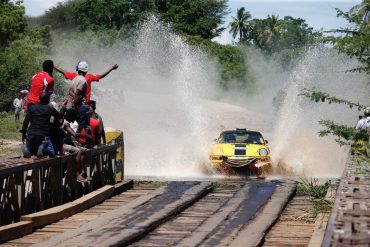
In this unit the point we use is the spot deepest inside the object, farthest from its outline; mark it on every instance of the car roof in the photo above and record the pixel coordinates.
(236, 130)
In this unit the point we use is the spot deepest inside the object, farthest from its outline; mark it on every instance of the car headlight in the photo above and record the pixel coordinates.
(263, 151)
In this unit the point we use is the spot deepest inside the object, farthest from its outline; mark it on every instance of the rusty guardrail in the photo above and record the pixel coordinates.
(31, 185)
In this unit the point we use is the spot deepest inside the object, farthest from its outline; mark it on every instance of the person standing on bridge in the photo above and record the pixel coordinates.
(41, 82)
(82, 68)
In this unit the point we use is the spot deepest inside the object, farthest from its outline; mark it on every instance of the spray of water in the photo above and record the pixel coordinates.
(297, 147)
(165, 98)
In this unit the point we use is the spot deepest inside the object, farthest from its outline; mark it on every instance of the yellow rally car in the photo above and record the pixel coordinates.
(241, 151)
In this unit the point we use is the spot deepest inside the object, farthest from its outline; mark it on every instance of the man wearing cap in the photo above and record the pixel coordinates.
(82, 69)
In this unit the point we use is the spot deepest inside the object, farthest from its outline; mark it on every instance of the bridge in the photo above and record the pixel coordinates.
(43, 205)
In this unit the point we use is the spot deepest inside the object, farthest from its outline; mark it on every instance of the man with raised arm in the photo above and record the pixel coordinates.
(82, 69)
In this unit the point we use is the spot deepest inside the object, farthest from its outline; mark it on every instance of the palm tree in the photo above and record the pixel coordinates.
(270, 32)
(239, 23)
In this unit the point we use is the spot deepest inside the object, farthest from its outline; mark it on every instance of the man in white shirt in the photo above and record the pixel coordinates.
(364, 123)
(17, 104)
(362, 137)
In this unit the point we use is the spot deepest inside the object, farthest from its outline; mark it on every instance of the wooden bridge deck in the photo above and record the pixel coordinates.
(178, 214)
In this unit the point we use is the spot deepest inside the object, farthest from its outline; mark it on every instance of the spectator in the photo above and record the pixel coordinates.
(56, 133)
(70, 146)
(25, 103)
(82, 68)
(78, 93)
(41, 82)
(96, 116)
(362, 135)
(17, 104)
(37, 134)
(95, 133)
(364, 122)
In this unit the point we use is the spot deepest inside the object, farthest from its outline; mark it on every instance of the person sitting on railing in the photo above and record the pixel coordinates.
(96, 116)
(37, 134)
(95, 133)
(71, 146)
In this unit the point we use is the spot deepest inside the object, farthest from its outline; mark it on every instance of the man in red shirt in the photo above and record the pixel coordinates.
(41, 82)
(82, 69)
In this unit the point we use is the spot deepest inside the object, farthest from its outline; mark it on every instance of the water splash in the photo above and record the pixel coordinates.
(166, 125)
(165, 98)
(297, 148)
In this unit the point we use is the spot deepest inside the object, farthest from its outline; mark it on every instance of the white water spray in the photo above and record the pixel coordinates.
(165, 98)
(297, 147)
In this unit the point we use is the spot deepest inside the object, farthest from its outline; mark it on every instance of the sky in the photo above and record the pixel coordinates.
(318, 14)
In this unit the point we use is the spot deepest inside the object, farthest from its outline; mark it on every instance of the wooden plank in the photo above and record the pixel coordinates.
(123, 186)
(57, 213)
(15, 230)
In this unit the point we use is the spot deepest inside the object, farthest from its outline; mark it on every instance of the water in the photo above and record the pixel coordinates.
(166, 99)
(297, 148)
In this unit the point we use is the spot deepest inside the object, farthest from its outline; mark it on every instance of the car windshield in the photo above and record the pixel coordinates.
(241, 137)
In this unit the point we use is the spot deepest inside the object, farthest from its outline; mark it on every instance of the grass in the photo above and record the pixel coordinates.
(363, 164)
(8, 127)
(313, 188)
(317, 191)
(9, 151)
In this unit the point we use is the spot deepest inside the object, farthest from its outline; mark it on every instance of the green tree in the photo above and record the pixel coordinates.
(18, 63)
(239, 23)
(354, 40)
(269, 32)
(12, 21)
(194, 17)
(22, 49)
(297, 34)
(231, 61)
(111, 14)
(39, 35)
(62, 16)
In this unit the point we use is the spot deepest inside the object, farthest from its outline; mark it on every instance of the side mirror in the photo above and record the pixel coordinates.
(215, 140)
(266, 141)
